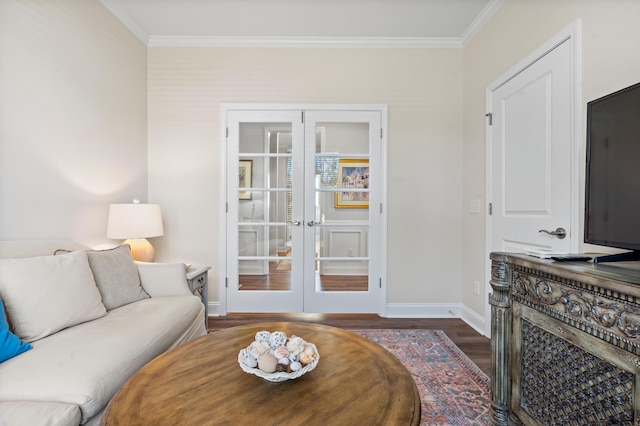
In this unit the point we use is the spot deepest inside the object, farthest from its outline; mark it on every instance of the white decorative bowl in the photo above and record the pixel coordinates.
(281, 376)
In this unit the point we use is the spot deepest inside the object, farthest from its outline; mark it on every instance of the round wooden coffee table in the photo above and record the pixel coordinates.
(356, 382)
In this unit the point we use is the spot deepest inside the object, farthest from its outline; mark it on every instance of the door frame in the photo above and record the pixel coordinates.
(226, 107)
(571, 34)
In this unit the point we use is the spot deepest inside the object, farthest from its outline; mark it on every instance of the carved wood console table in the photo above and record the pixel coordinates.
(565, 342)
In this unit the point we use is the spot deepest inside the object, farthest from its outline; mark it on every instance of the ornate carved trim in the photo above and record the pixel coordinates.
(499, 271)
(606, 315)
(500, 281)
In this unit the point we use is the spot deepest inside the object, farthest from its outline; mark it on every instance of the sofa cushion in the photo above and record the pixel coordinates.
(39, 413)
(86, 364)
(164, 279)
(10, 344)
(46, 294)
(116, 276)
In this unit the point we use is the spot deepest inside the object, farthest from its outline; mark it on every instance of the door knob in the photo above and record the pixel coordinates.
(559, 232)
(311, 223)
(295, 222)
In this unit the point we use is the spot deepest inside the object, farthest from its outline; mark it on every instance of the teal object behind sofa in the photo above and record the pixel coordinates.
(10, 344)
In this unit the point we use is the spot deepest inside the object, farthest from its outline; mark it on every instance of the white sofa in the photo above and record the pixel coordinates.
(85, 341)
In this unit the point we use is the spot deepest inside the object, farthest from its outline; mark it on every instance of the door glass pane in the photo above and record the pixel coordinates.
(342, 262)
(342, 207)
(264, 207)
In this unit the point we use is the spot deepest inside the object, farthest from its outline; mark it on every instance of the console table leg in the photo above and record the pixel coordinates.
(500, 301)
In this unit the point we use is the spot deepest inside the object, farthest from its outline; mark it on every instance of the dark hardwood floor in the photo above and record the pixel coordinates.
(474, 345)
(279, 278)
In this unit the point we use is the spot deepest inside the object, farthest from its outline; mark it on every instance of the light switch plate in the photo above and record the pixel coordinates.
(474, 206)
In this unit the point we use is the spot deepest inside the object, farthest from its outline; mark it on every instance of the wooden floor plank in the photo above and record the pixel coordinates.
(472, 343)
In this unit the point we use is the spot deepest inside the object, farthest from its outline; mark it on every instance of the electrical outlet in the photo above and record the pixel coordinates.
(476, 288)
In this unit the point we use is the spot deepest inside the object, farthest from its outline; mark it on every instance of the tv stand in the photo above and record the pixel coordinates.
(628, 256)
(565, 340)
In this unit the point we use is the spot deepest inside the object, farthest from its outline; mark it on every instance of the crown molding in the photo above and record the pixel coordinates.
(359, 42)
(484, 16)
(338, 42)
(128, 22)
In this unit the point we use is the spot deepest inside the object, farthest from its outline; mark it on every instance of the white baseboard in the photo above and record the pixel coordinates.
(423, 310)
(411, 310)
(437, 310)
(394, 310)
(475, 321)
(213, 309)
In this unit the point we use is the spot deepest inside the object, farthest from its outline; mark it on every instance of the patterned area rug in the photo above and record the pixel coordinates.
(453, 390)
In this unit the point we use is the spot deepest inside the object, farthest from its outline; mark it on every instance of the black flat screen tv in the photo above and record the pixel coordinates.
(612, 197)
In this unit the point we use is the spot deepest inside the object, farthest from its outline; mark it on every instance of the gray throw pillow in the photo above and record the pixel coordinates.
(116, 276)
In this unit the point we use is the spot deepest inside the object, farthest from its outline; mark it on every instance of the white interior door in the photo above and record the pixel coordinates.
(532, 167)
(532, 158)
(301, 233)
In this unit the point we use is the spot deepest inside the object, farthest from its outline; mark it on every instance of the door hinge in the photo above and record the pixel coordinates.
(380, 282)
(302, 117)
(226, 208)
(490, 118)
(381, 133)
(227, 132)
(380, 208)
(490, 209)
(226, 282)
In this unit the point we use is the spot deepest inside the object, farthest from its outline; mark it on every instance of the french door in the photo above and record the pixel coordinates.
(304, 220)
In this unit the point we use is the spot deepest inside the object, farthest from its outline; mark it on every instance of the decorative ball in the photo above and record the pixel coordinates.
(295, 345)
(307, 355)
(281, 352)
(263, 336)
(267, 363)
(277, 339)
(258, 348)
(247, 359)
(284, 361)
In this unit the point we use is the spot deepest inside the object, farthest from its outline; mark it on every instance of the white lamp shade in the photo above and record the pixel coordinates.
(127, 221)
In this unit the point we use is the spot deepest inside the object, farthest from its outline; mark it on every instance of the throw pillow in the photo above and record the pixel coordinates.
(10, 344)
(116, 276)
(43, 295)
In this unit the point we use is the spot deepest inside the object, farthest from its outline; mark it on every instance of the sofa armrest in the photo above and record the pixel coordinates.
(164, 279)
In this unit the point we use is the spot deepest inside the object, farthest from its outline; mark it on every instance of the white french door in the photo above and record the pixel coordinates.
(304, 220)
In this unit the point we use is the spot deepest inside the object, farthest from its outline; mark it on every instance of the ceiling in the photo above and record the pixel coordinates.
(405, 23)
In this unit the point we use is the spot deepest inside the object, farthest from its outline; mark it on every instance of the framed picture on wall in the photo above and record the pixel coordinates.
(245, 178)
(353, 174)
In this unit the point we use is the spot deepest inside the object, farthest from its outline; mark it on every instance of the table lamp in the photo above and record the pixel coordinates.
(135, 223)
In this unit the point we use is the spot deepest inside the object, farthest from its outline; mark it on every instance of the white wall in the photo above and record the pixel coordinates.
(611, 37)
(73, 126)
(72, 119)
(423, 90)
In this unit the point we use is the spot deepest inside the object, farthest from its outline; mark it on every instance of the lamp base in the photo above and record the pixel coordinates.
(141, 249)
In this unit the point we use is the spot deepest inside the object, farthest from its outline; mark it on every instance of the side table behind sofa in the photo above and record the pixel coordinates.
(197, 278)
